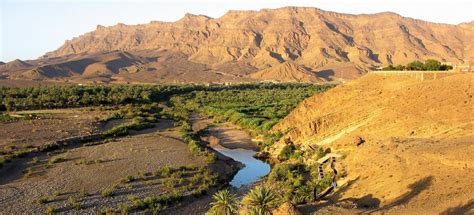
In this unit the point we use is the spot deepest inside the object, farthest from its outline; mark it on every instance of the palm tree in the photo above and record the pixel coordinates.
(225, 203)
(261, 201)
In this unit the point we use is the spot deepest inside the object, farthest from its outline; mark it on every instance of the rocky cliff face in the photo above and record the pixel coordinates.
(315, 39)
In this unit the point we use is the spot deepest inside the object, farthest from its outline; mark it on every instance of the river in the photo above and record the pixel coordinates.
(236, 143)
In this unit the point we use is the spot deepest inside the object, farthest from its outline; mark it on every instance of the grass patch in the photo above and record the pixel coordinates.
(73, 203)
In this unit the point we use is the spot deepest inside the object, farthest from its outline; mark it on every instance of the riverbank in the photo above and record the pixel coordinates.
(233, 142)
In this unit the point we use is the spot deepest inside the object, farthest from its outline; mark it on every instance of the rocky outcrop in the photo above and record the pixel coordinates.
(286, 72)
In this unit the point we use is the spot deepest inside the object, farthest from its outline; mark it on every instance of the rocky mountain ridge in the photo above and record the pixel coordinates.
(229, 48)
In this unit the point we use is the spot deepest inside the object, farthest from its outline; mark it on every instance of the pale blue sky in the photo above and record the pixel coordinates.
(30, 28)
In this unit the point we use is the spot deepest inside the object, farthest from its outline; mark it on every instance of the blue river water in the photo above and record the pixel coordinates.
(254, 169)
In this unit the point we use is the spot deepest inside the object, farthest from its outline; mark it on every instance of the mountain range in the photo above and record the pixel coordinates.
(290, 44)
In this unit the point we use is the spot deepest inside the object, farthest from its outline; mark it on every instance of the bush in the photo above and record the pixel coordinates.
(288, 152)
(50, 210)
(42, 200)
(224, 203)
(56, 159)
(73, 203)
(261, 200)
(108, 192)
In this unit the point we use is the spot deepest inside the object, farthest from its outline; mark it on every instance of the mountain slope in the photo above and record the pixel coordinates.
(405, 141)
(307, 35)
(286, 72)
(14, 65)
(256, 40)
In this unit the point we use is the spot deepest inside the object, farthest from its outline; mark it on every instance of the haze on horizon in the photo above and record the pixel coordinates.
(28, 28)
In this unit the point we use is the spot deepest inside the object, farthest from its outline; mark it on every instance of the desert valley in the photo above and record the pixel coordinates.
(294, 110)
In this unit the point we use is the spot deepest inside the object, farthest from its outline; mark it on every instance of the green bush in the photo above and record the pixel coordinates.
(261, 200)
(73, 203)
(224, 203)
(42, 200)
(108, 192)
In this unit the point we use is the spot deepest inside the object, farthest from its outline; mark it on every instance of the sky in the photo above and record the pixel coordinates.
(30, 28)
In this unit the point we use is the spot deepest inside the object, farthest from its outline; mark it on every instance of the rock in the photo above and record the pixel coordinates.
(262, 155)
(286, 209)
(359, 140)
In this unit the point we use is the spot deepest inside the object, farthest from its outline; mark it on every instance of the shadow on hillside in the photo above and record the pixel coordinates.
(415, 189)
(371, 204)
(327, 74)
(460, 209)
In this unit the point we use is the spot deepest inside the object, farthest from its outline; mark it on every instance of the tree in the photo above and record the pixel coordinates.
(432, 65)
(225, 203)
(445, 67)
(415, 65)
(399, 67)
(260, 200)
(388, 68)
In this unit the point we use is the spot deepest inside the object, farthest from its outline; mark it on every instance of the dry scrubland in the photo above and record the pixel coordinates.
(407, 145)
(101, 175)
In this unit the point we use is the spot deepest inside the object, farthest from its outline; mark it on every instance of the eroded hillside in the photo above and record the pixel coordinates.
(407, 143)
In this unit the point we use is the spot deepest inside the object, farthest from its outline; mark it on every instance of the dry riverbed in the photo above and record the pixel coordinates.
(87, 179)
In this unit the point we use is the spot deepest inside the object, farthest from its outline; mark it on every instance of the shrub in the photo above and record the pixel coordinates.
(42, 200)
(108, 192)
(289, 151)
(261, 200)
(56, 159)
(166, 171)
(73, 203)
(56, 193)
(50, 210)
(107, 211)
(83, 193)
(224, 203)
(28, 172)
(35, 160)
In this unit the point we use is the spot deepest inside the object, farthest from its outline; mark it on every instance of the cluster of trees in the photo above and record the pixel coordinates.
(257, 108)
(429, 65)
(80, 96)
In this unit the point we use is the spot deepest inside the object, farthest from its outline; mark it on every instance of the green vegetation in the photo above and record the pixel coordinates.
(288, 152)
(257, 108)
(429, 65)
(73, 203)
(42, 200)
(56, 193)
(28, 172)
(56, 159)
(83, 193)
(108, 192)
(50, 210)
(5, 117)
(297, 182)
(224, 203)
(185, 180)
(260, 200)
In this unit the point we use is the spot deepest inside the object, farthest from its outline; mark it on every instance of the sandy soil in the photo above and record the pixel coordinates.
(145, 152)
(226, 134)
(49, 126)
